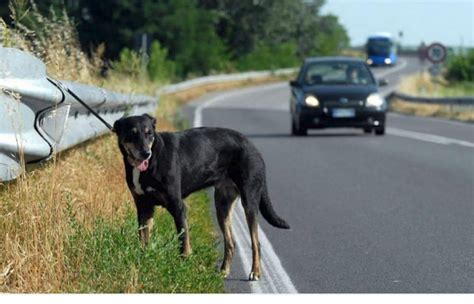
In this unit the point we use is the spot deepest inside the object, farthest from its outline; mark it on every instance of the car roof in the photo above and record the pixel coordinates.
(333, 58)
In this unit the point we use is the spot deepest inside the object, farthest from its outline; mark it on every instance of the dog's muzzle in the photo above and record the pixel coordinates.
(141, 165)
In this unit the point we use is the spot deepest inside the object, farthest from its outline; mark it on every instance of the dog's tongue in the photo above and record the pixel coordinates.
(143, 166)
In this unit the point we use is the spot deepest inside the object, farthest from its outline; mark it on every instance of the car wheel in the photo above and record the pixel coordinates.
(367, 130)
(380, 130)
(297, 129)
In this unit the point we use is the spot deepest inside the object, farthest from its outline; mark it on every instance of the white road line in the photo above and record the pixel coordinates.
(429, 137)
(434, 119)
(275, 279)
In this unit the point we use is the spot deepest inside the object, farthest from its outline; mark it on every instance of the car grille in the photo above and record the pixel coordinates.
(337, 103)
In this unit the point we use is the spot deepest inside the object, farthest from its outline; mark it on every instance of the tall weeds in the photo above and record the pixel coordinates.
(52, 218)
(53, 39)
(82, 185)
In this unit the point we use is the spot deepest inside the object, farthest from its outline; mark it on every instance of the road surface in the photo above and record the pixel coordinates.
(369, 214)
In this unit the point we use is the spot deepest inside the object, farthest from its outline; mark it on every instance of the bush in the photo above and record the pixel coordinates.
(270, 57)
(159, 67)
(130, 63)
(461, 67)
(156, 67)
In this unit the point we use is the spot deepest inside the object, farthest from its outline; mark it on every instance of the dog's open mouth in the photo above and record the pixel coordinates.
(141, 165)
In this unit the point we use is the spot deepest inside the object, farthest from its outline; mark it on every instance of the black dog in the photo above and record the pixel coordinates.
(163, 168)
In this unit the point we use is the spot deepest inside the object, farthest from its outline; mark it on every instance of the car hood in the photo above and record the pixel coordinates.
(335, 92)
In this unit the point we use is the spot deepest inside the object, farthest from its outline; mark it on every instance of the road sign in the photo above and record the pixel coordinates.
(436, 52)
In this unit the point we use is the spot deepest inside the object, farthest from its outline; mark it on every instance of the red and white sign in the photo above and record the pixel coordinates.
(436, 52)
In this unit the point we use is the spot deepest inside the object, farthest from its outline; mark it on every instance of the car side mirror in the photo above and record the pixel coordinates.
(294, 83)
(383, 82)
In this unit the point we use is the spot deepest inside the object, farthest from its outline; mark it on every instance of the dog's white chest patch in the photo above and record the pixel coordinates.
(150, 189)
(136, 183)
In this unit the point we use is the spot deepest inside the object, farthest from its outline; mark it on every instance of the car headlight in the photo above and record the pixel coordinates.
(388, 61)
(311, 101)
(369, 61)
(375, 100)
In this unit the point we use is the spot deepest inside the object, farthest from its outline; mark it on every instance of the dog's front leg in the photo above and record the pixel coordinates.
(177, 209)
(145, 210)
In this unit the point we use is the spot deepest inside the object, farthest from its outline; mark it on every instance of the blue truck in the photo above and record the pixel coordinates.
(381, 50)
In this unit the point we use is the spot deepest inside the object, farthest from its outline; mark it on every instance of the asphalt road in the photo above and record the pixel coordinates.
(368, 214)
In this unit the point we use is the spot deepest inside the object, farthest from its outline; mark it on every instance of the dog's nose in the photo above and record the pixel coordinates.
(145, 154)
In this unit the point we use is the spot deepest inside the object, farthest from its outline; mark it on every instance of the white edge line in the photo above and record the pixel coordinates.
(433, 119)
(429, 137)
(271, 262)
(275, 279)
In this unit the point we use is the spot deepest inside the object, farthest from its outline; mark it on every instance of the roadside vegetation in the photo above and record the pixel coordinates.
(186, 38)
(70, 224)
(457, 80)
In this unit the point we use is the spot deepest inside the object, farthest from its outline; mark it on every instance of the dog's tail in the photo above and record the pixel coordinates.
(269, 214)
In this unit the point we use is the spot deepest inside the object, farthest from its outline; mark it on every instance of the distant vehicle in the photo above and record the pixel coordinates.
(336, 92)
(381, 50)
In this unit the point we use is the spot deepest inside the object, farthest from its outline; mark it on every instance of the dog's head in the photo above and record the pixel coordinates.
(136, 135)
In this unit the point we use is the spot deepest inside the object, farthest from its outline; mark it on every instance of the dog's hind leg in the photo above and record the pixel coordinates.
(250, 199)
(145, 210)
(224, 196)
(256, 271)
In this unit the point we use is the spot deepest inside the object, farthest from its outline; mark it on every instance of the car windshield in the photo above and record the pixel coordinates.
(329, 73)
(379, 47)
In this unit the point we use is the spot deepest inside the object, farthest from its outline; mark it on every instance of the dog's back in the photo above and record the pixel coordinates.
(207, 155)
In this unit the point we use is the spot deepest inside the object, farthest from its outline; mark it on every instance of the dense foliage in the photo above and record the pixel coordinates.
(461, 67)
(204, 36)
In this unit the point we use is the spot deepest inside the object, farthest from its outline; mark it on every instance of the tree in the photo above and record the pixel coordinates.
(248, 24)
(202, 36)
(238, 23)
(189, 34)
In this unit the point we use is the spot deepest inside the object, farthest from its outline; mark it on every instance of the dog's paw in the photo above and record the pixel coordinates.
(254, 276)
(225, 273)
(185, 255)
(186, 252)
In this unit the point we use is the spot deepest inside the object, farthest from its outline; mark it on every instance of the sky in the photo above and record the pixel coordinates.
(449, 22)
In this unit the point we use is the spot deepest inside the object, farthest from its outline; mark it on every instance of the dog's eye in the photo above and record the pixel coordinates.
(149, 132)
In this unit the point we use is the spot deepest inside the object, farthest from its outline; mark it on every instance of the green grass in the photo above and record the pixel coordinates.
(109, 258)
(457, 89)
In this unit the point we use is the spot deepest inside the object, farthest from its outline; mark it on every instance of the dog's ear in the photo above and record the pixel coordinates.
(118, 126)
(153, 120)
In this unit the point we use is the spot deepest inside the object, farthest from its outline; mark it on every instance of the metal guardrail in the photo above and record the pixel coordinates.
(462, 101)
(213, 79)
(38, 118)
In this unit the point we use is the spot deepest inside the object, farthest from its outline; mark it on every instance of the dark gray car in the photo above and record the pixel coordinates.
(336, 92)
